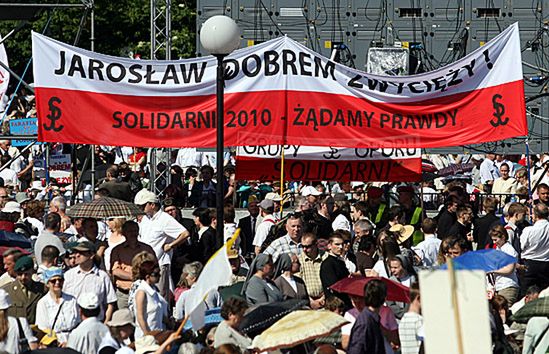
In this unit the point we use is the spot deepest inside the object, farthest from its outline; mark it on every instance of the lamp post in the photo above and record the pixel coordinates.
(220, 36)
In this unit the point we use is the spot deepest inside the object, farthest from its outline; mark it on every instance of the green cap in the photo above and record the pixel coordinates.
(24, 264)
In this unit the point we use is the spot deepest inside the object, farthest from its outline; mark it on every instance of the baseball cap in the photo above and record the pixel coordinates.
(121, 318)
(310, 190)
(23, 264)
(275, 197)
(145, 196)
(84, 246)
(267, 204)
(11, 207)
(88, 301)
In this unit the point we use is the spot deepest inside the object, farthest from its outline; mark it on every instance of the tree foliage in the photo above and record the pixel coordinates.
(122, 28)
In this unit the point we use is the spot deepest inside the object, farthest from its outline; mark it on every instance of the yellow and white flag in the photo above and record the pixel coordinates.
(217, 272)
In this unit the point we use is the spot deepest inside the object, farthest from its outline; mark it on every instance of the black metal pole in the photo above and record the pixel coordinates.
(220, 142)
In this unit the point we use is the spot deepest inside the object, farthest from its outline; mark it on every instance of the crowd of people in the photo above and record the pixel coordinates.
(120, 285)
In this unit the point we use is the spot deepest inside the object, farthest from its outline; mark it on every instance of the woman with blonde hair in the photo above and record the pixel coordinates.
(11, 328)
(116, 238)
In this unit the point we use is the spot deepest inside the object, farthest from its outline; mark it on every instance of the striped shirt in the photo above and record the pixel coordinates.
(408, 330)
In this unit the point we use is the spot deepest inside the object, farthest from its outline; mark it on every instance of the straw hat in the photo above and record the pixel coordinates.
(404, 232)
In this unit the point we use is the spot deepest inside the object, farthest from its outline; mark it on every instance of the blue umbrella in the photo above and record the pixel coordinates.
(487, 260)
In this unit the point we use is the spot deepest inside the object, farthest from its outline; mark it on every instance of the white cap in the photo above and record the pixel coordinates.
(5, 301)
(37, 185)
(310, 190)
(145, 196)
(88, 301)
(275, 197)
(11, 207)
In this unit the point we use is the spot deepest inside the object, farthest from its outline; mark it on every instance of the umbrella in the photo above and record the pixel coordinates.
(538, 307)
(487, 260)
(261, 317)
(355, 286)
(14, 239)
(298, 327)
(103, 208)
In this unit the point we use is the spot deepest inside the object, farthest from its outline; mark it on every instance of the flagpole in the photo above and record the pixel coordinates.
(281, 180)
(455, 305)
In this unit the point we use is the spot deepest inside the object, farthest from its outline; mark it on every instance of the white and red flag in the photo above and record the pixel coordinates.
(277, 93)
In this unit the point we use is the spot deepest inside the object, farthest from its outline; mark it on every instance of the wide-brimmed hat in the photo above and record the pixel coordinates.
(275, 197)
(310, 190)
(146, 344)
(11, 207)
(121, 318)
(403, 232)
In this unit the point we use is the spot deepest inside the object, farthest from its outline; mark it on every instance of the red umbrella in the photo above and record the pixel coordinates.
(355, 286)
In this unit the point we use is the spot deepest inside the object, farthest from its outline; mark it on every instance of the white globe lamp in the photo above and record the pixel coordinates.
(220, 35)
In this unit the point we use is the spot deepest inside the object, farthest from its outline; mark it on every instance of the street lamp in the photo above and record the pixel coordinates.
(220, 36)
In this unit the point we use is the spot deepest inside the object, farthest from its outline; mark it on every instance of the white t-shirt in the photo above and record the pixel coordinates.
(511, 280)
(159, 230)
(262, 230)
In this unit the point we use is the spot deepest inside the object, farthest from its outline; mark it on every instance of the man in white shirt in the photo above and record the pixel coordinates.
(488, 170)
(87, 278)
(534, 243)
(266, 210)
(87, 337)
(162, 232)
(428, 248)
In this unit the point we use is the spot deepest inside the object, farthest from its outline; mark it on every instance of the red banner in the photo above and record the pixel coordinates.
(302, 163)
(344, 171)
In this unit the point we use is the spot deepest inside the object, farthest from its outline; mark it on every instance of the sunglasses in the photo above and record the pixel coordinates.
(56, 280)
(308, 246)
